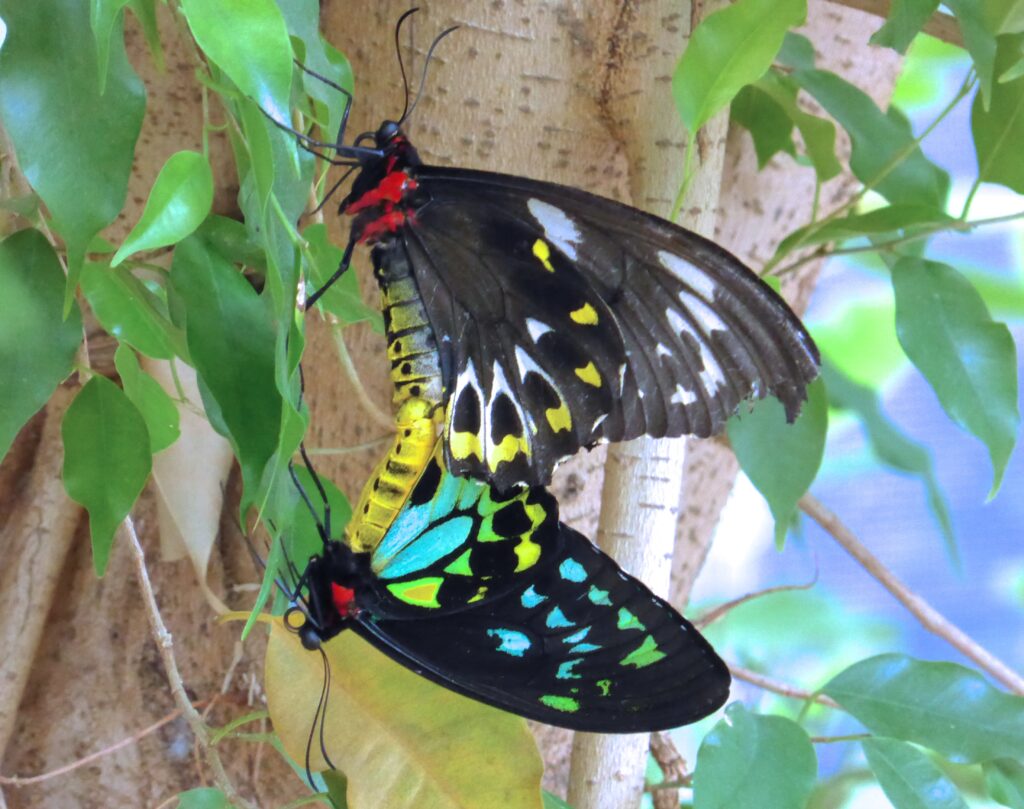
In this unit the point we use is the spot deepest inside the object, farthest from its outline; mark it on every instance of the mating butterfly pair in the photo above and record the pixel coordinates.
(535, 320)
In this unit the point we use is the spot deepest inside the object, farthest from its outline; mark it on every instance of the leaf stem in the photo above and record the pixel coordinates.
(677, 205)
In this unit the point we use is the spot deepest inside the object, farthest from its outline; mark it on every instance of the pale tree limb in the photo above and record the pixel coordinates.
(36, 539)
(940, 25)
(165, 646)
(779, 687)
(929, 617)
(644, 478)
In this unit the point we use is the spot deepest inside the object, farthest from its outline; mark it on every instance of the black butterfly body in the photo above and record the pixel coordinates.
(545, 319)
(489, 595)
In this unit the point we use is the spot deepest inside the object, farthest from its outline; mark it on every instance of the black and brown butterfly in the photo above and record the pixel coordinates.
(540, 319)
(488, 594)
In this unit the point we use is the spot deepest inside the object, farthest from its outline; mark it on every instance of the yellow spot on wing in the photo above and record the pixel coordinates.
(509, 447)
(559, 417)
(586, 315)
(463, 445)
(588, 373)
(419, 592)
(528, 552)
(543, 252)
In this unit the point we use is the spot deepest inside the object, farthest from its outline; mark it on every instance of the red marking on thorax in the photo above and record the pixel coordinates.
(388, 193)
(344, 599)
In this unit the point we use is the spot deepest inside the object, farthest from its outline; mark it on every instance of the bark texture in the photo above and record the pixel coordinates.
(567, 91)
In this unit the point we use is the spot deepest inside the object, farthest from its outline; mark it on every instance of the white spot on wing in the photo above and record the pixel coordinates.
(707, 316)
(662, 350)
(680, 326)
(688, 274)
(683, 397)
(559, 229)
(536, 328)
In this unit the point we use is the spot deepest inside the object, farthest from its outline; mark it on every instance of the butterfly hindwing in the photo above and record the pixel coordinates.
(575, 642)
(563, 319)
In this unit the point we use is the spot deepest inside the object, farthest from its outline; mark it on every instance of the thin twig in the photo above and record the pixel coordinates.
(165, 646)
(849, 737)
(940, 25)
(930, 618)
(673, 770)
(779, 687)
(19, 781)
(722, 609)
(378, 416)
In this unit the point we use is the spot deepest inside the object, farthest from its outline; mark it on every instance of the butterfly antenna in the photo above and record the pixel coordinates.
(323, 715)
(423, 77)
(319, 488)
(317, 728)
(398, 51)
(309, 503)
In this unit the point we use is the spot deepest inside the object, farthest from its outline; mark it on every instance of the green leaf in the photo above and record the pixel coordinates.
(303, 540)
(969, 359)
(553, 801)
(766, 121)
(1003, 16)
(145, 13)
(248, 40)
(819, 135)
(891, 445)
(37, 345)
(103, 15)
(178, 203)
(752, 760)
(906, 218)
(49, 76)
(343, 299)
(418, 745)
(337, 788)
(906, 19)
(909, 778)
(203, 798)
(761, 438)
(156, 407)
(949, 708)
(130, 312)
(999, 131)
(729, 49)
(231, 341)
(797, 52)
(883, 152)
(1004, 781)
(106, 459)
(979, 39)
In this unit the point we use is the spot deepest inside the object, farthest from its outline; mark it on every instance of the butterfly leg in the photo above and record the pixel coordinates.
(346, 259)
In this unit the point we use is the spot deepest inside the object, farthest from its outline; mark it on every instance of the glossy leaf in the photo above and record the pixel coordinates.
(156, 407)
(231, 341)
(1004, 782)
(781, 459)
(145, 13)
(178, 203)
(766, 121)
(130, 312)
(890, 445)
(103, 14)
(999, 131)
(944, 706)
(106, 459)
(883, 154)
(819, 135)
(969, 359)
(343, 299)
(417, 744)
(750, 759)
(729, 49)
(979, 39)
(37, 345)
(203, 798)
(881, 220)
(1003, 16)
(905, 21)
(797, 52)
(49, 75)
(248, 40)
(909, 778)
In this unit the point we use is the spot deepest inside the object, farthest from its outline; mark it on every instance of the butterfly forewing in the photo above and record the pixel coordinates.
(564, 318)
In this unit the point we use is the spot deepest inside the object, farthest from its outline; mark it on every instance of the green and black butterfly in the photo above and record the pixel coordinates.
(488, 594)
(544, 319)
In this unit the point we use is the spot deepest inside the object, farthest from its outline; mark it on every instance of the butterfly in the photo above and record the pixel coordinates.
(486, 593)
(540, 319)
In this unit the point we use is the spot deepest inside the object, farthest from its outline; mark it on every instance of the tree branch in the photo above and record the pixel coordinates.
(940, 25)
(779, 687)
(165, 646)
(930, 618)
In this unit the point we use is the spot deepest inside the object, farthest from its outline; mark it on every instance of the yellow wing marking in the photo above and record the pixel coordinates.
(586, 315)
(543, 252)
(588, 373)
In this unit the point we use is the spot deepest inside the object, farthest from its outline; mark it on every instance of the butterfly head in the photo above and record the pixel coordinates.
(333, 582)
